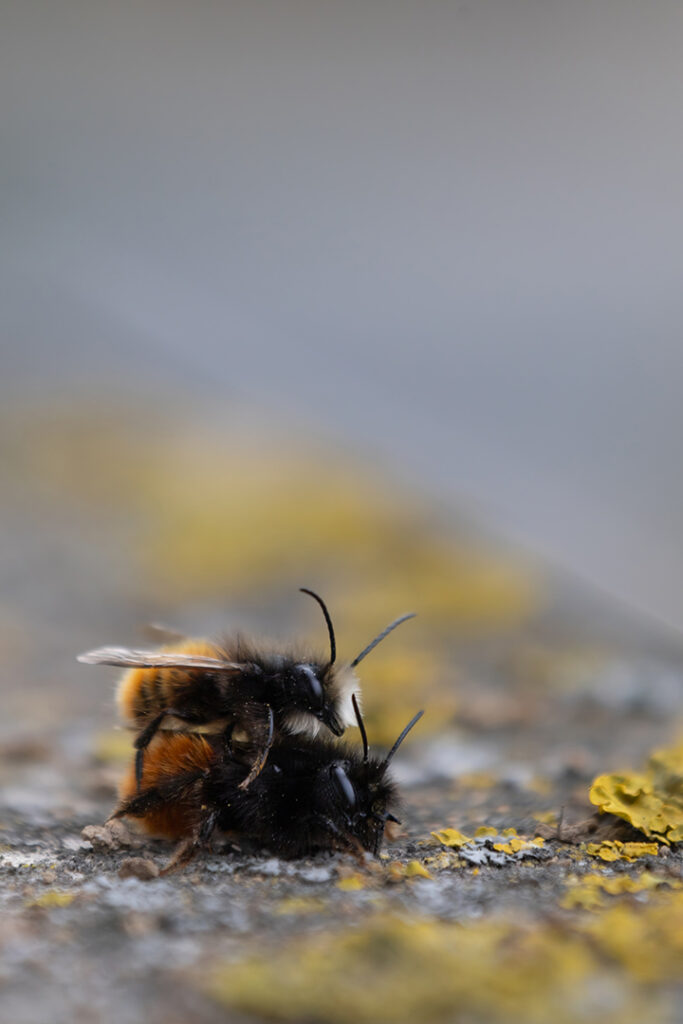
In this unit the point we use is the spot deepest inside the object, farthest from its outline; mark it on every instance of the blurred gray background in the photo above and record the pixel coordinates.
(448, 234)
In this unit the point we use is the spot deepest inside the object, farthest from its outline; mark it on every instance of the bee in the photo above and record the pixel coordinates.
(313, 794)
(235, 689)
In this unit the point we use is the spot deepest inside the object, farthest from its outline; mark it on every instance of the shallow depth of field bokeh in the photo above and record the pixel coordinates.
(381, 300)
(212, 525)
(124, 513)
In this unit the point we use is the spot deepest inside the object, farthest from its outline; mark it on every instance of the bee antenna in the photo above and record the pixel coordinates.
(403, 735)
(328, 620)
(378, 639)
(361, 726)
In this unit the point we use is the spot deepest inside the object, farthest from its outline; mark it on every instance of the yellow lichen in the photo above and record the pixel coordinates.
(489, 970)
(646, 941)
(241, 514)
(415, 677)
(352, 883)
(514, 844)
(240, 506)
(414, 869)
(113, 746)
(476, 780)
(441, 860)
(451, 837)
(52, 898)
(545, 817)
(590, 892)
(611, 850)
(397, 872)
(651, 801)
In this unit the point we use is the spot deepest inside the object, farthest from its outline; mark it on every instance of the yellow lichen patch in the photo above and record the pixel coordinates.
(458, 585)
(397, 872)
(113, 746)
(646, 941)
(590, 892)
(414, 869)
(352, 883)
(489, 846)
(239, 513)
(283, 509)
(476, 780)
(52, 898)
(651, 801)
(240, 506)
(545, 817)
(414, 678)
(451, 837)
(441, 860)
(615, 850)
(515, 844)
(398, 971)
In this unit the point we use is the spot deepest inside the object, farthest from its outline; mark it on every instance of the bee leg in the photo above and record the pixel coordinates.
(138, 806)
(207, 827)
(343, 840)
(184, 787)
(143, 739)
(259, 763)
(186, 850)
(183, 854)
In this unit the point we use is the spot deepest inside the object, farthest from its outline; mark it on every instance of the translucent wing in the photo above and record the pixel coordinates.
(123, 657)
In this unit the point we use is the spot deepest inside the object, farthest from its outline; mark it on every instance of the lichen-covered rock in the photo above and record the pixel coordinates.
(398, 970)
(651, 801)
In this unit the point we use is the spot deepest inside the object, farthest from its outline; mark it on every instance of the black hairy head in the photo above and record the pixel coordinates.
(312, 794)
(358, 796)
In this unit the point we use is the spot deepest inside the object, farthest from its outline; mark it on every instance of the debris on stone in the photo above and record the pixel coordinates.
(113, 835)
(139, 867)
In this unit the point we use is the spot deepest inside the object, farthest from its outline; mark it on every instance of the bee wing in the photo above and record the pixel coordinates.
(123, 657)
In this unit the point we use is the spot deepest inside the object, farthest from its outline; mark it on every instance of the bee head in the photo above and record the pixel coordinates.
(310, 680)
(309, 693)
(362, 790)
(360, 793)
(322, 691)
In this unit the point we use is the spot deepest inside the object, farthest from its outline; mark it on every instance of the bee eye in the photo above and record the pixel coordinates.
(343, 785)
(313, 685)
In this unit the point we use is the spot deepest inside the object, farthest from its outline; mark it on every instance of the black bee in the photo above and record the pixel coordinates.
(233, 688)
(313, 794)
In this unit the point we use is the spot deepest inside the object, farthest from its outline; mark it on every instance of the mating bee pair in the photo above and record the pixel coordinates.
(230, 737)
